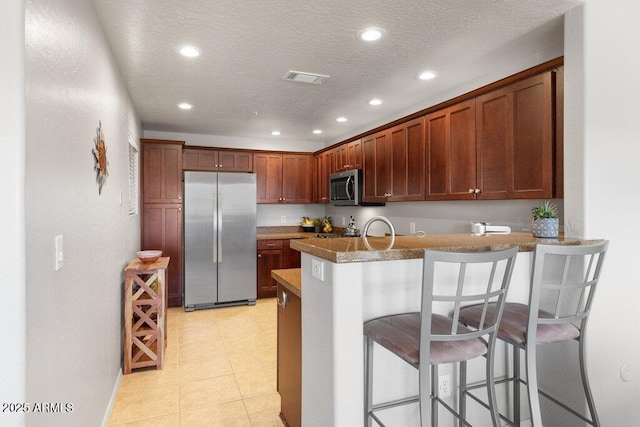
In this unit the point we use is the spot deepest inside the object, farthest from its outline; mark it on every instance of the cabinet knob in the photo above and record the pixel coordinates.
(477, 191)
(283, 199)
(179, 197)
(471, 191)
(259, 255)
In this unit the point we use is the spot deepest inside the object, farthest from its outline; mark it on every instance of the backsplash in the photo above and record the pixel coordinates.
(272, 215)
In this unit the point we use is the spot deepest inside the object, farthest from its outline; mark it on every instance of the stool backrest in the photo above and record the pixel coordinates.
(563, 283)
(458, 287)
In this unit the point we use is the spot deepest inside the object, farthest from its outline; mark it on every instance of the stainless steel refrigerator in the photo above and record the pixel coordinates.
(219, 239)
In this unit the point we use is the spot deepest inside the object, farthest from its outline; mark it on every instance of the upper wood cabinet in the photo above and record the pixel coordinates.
(514, 155)
(161, 171)
(321, 172)
(204, 159)
(348, 156)
(376, 167)
(393, 164)
(407, 161)
(296, 178)
(283, 178)
(451, 152)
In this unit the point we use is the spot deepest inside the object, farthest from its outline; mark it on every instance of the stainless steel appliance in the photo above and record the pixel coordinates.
(345, 188)
(219, 239)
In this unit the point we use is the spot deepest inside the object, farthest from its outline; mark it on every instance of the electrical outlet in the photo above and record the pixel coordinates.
(412, 227)
(283, 219)
(317, 269)
(444, 385)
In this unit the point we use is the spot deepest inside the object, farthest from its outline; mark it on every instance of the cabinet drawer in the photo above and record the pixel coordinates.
(269, 244)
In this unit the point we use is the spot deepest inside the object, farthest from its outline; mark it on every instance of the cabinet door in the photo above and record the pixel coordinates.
(321, 171)
(199, 159)
(161, 172)
(162, 229)
(376, 165)
(290, 357)
(235, 161)
(407, 161)
(354, 154)
(514, 140)
(291, 256)
(340, 158)
(296, 178)
(269, 259)
(451, 153)
(268, 170)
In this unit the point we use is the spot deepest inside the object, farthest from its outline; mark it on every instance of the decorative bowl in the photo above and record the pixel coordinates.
(308, 228)
(149, 256)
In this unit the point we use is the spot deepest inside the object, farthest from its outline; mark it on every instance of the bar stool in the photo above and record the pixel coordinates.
(426, 339)
(563, 284)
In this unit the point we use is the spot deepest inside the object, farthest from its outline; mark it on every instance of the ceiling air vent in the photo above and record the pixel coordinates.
(302, 77)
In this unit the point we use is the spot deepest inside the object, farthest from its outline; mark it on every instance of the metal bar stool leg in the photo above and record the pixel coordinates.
(425, 383)
(368, 381)
(434, 391)
(532, 384)
(462, 402)
(585, 383)
(516, 386)
(491, 387)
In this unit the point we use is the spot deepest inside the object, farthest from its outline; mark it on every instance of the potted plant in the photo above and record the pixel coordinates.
(544, 220)
(318, 223)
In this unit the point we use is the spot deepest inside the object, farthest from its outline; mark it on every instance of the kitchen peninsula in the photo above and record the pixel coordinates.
(347, 281)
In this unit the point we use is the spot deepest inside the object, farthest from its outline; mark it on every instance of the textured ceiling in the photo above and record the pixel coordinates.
(249, 45)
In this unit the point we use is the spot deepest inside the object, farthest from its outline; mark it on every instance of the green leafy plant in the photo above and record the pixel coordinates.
(545, 210)
(318, 221)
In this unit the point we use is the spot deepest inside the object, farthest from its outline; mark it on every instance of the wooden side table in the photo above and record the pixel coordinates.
(144, 314)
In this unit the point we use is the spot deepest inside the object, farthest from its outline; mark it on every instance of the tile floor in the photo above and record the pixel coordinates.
(219, 370)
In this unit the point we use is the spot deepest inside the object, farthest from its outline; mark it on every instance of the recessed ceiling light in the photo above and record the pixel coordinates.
(189, 51)
(317, 131)
(427, 75)
(341, 119)
(375, 101)
(275, 132)
(371, 34)
(185, 106)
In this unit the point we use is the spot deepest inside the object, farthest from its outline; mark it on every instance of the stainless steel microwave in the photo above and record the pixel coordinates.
(345, 188)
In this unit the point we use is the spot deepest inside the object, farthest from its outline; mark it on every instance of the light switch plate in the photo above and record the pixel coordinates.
(317, 269)
(59, 253)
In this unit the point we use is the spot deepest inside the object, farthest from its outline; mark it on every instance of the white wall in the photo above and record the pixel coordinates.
(12, 164)
(610, 201)
(74, 315)
(442, 217)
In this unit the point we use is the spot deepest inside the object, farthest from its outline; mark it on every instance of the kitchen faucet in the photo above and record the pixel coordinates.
(386, 221)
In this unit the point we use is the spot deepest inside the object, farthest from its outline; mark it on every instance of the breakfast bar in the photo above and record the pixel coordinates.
(347, 281)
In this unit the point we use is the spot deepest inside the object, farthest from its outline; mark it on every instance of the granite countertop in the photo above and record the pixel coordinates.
(358, 249)
(287, 232)
(290, 278)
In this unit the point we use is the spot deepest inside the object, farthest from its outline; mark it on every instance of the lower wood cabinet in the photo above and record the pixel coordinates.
(273, 254)
(290, 357)
(162, 229)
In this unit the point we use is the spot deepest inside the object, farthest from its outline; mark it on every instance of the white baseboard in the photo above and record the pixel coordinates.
(112, 401)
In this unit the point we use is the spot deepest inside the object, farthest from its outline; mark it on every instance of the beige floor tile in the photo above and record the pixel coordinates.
(230, 414)
(265, 420)
(201, 348)
(150, 378)
(195, 333)
(134, 404)
(250, 360)
(265, 403)
(211, 391)
(204, 367)
(257, 383)
(170, 420)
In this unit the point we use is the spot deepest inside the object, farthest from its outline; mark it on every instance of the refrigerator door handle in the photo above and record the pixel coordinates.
(219, 242)
(215, 229)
